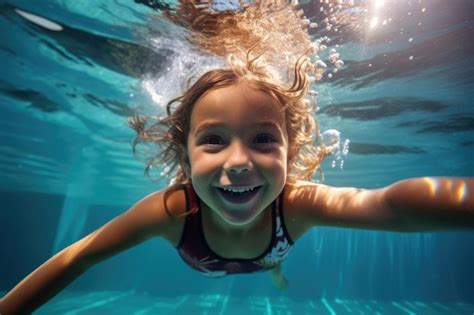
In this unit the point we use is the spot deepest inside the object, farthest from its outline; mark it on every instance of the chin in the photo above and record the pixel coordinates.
(239, 219)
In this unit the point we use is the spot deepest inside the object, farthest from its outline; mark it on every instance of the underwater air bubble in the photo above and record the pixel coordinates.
(333, 58)
(331, 137)
(319, 64)
(314, 48)
(339, 64)
(331, 141)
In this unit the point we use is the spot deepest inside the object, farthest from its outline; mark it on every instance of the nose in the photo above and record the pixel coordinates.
(238, 160)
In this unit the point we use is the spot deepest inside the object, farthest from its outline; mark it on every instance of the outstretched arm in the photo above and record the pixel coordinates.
(142, 221)
(432, 203)
(419, 204)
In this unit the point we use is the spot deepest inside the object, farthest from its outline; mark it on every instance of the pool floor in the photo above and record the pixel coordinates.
(139, 303)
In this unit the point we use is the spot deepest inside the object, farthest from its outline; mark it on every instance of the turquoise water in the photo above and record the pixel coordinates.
(403, 99)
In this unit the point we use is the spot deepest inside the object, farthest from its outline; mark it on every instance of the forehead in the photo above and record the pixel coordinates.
(238, 105)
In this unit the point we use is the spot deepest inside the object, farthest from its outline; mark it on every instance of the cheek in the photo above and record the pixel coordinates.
(201, 164)
(275, 164)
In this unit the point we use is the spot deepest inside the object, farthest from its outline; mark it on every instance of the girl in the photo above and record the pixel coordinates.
(237, 205)
(241, 147)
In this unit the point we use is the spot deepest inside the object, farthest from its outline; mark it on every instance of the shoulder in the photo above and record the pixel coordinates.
(165, 210)
(304, 195)
(307, 204)
(300, 194)
(171, 201)
(298, 197)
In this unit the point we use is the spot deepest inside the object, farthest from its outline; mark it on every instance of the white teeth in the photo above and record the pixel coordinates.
(239, 190)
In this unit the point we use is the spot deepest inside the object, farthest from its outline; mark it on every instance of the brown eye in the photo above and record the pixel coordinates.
(212, 140)
(264, 138)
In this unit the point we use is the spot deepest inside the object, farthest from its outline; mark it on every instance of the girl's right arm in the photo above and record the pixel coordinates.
(145, 219)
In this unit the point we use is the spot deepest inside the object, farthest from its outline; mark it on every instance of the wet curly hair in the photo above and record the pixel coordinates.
(275, 62)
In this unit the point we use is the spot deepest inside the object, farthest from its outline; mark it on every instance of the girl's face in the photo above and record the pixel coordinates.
(237, 150)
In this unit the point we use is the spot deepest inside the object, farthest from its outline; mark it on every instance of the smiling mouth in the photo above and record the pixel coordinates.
(238, 195)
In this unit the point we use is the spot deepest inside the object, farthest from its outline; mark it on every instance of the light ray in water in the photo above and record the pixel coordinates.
(71, 223)
(374, 22)
(378, 4)
(75, 210)
(328, 307)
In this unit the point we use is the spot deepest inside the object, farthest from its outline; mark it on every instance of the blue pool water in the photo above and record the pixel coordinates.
(403, 99)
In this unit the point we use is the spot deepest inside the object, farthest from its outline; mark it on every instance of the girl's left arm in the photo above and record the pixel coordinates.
(431, 203)
(419, 204)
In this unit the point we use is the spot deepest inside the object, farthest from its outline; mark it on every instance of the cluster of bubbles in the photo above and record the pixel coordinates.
(333, 9)
(330, 140)
(183, 61)
(319, 67)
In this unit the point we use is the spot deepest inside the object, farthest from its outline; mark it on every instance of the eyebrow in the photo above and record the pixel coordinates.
(208, 125)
